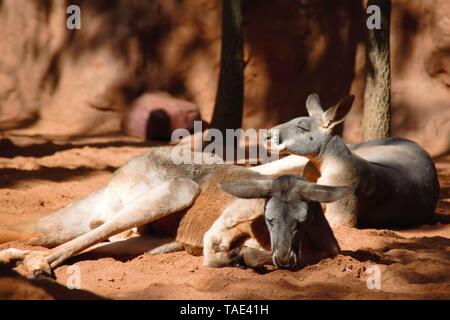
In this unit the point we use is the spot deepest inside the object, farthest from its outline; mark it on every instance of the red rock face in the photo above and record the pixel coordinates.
(60, 83)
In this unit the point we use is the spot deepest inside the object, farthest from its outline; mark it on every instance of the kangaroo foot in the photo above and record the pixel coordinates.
(12, 255)
(30, 264)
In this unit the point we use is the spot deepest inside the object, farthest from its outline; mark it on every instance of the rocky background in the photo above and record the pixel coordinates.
(62, 84)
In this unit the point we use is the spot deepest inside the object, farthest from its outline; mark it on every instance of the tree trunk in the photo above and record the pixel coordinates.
(230, 92)
(377, 97)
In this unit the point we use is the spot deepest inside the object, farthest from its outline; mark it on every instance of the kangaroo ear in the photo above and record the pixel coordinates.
(335, 115)
(320, 193)
(313, 105)
(249, 188)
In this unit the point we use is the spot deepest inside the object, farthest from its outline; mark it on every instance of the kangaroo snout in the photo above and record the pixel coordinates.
(284, 260)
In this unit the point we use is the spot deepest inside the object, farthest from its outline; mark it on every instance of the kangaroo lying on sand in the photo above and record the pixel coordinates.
(394, 180)
(185, 201)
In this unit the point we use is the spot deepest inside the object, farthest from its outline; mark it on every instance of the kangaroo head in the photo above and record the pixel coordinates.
(291, 202)
(305, 136)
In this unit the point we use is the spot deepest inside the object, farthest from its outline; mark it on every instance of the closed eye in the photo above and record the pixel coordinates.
(302, 126)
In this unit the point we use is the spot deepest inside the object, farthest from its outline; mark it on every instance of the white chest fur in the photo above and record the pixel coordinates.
(332, 173)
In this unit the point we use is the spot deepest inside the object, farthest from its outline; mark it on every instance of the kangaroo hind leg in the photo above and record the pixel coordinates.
(167, 198)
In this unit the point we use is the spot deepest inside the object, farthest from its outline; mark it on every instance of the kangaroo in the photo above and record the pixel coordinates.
(394, 180)
(183, 201)
(293, 215)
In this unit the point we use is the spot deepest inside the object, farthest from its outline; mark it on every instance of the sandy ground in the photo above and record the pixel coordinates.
(37, 179)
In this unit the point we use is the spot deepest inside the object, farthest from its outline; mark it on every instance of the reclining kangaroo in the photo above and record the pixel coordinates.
(394, 180)
(151, 189)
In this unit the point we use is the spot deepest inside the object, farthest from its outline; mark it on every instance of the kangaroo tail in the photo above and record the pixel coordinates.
(16, 232)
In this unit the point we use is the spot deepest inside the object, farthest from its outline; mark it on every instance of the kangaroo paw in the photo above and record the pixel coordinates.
(237, 259)
(167, 248)
(254, 258)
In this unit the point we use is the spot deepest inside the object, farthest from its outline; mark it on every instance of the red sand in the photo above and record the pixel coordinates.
(414, 263)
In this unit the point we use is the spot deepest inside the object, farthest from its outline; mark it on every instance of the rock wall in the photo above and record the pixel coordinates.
(60, 83)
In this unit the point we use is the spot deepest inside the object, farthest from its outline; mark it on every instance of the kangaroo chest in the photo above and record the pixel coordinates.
(333, 173)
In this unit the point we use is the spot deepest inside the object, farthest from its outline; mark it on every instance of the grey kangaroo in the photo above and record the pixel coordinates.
(394, 180)
(185, 202)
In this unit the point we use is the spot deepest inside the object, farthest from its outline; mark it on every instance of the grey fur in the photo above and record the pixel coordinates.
(394, 180)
